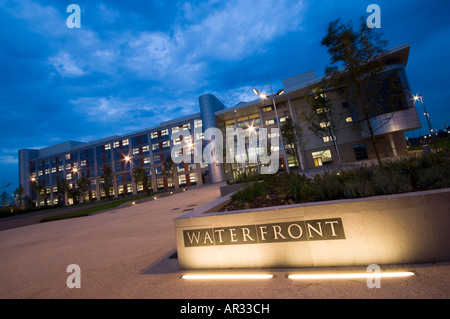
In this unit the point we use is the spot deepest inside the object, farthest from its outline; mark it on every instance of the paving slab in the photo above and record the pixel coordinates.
(130, 252)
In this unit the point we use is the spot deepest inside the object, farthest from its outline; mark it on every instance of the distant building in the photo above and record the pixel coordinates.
(150, 148)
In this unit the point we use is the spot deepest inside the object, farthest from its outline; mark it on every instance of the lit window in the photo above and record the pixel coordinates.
(60, 168)
(199, 136)
(267, 108)
(269, 122)
(40, 173)
(116, 144)
(154, 135)
(68, 166)
(283, 119)
(348, 119)
(107, 146)
(125, 142)
(135, 151)
(187, 126)
(155, 146)
(166, 144)
(324, 124)
(46, 171)
(175, 129)
(147, 160)
(67, 156)
(327, 139)
(53, 169)
(145, 148)
(164, 132)
(198, 123)
(321, 157)
(69, 176)
(83, 163)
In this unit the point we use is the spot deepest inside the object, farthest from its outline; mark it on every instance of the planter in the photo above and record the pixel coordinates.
(393, 229)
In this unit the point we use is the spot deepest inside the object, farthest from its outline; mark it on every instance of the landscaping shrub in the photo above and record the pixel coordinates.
(300, 189)
(327, 186)
(413, 173)
(386, 182)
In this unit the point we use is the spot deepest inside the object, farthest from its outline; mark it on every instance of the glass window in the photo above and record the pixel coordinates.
(166, 144)
(155, 146)
(125, 142)
(348, 119)
(164, 132)
(107, 146)
(267, 108)
(116, 144)
(135, 151)
(154, 135)
(327, 139)
(67, 156)
(145, 148)
(322, 157)
(360, 152)
(198, 123)
(269, 122)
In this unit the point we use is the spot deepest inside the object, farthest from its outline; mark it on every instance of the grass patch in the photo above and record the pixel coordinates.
(91, 210)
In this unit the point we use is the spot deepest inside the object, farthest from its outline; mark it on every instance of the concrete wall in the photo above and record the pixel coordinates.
(404, 228)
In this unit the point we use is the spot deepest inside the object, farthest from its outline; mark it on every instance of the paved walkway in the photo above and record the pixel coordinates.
(126, 253)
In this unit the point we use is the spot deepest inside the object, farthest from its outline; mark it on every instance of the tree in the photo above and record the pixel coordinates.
(82, 186)
(291, 133)
(40, 193)
(4, 199)
(140, 178)
(63, 189)
(358, 53)
(20, 193)
(171, 171)
(107, 181)
(322, 120)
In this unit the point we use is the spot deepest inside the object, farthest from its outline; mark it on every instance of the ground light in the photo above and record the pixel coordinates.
(351, 275)
(227, 276)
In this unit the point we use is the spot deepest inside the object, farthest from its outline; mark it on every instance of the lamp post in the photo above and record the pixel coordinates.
(272, 96)
(427, 115)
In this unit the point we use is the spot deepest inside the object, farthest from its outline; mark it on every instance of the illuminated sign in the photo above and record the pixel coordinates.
(303, 230)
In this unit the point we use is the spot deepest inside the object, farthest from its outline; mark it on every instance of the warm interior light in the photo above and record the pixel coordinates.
(227, 276)
(127, 158)
(352, 276)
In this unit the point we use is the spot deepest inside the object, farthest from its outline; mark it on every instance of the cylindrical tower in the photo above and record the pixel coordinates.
(209, 104)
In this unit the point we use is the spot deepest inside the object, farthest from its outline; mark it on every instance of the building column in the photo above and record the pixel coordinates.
(391, 140)
(198, 173)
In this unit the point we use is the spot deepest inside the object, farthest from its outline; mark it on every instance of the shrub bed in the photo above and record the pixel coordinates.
(412, 173)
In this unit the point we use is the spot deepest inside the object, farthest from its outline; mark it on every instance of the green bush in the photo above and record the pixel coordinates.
(300, 189)
(250, 193)
(386, 182)
(328, 186)
(434, 178)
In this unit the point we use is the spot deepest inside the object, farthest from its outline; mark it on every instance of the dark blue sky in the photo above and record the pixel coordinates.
(133, 64)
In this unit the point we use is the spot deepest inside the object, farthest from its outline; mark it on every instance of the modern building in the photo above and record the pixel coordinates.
(150, 148)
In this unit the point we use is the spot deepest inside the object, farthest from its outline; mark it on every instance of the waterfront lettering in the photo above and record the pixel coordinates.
(299, 230)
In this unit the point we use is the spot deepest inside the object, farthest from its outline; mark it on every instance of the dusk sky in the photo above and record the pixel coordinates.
(134, 64)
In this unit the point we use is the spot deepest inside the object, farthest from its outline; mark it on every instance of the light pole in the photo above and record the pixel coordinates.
(427, 115)
(272, 96)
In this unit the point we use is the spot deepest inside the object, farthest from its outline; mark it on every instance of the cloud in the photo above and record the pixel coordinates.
(66, 65)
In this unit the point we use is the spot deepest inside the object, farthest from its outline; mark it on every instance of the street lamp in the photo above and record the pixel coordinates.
(419, 97)
(264, 96)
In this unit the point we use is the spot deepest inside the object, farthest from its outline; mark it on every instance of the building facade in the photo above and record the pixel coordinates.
(149, 149)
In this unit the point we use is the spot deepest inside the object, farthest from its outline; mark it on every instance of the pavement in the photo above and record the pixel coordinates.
(130, 253)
